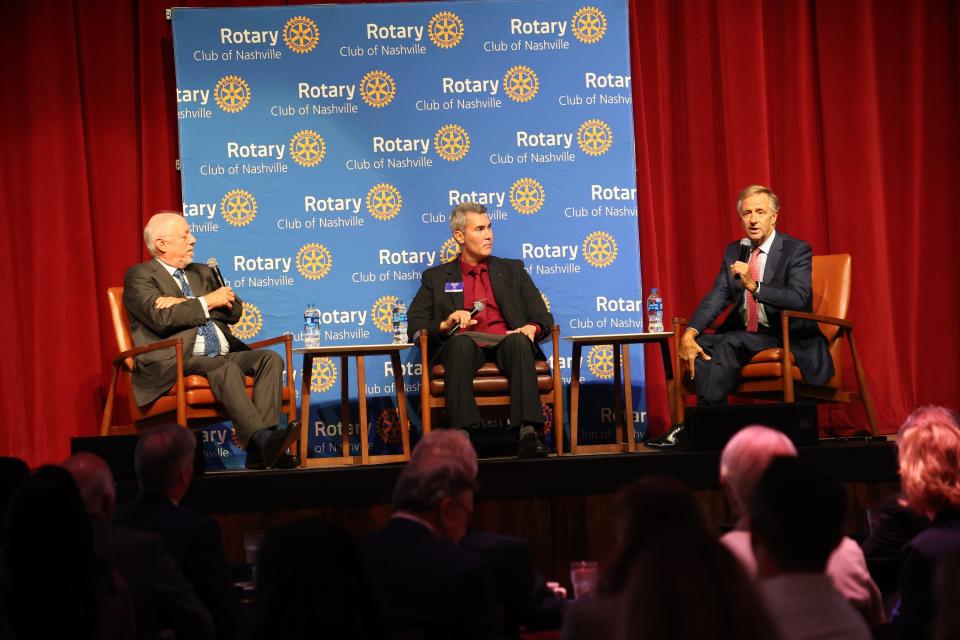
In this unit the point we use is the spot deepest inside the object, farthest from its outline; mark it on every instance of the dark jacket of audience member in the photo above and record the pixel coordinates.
(896, 524)
(53, 584)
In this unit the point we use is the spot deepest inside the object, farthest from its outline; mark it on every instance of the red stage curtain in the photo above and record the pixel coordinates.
(847, 108)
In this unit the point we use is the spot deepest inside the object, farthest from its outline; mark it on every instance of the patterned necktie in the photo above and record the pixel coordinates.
(479, 293)
(753, 307)
(211, 341)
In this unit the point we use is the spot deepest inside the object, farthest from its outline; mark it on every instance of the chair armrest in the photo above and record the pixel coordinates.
(259, 344)
(147, 348)
(839, 322)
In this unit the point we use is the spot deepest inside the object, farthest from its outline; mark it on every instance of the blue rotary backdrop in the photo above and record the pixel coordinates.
(323, 147)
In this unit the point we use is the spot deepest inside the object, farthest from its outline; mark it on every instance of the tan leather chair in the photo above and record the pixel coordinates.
(766, 376)
(190, 401)
(492, 388)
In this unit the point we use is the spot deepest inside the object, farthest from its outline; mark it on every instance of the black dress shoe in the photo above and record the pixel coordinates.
(278, 442)
(287, 461)
(530, 445)
(676, 438)
(254, 459)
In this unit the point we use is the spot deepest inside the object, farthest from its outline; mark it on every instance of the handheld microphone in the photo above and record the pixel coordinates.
(478, 306)
(745, 248)
(212, 263)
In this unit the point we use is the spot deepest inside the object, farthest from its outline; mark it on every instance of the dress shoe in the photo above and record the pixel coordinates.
(266, 445)
(287, 461)
(530, 445)
(254, 461)
(676, 438)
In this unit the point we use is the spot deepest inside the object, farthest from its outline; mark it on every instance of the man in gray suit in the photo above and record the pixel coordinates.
(171, 296)
(776, 277)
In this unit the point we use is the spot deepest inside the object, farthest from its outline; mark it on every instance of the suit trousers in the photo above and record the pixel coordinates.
(716, 378)
(226, 375)
(462, 357)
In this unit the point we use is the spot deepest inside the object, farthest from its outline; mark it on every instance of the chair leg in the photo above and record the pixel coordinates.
(108, 407)
(862, 384)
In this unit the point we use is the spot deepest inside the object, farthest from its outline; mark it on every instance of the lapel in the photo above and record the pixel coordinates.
(453, 274)
(196, 283)
(497, 284)
(168, 284)
(773, 259)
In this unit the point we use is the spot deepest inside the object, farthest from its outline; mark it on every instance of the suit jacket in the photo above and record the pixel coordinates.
(428, 584)
(194, 541)
(519, 300)
(156, 372)
(786, 285)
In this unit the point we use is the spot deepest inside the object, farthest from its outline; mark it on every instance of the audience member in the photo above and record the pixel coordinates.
(929, 445)
(163, 600)
(947, 589)
(741, 464)
(53, 584)
(796, 521)
(700, 592)
(424, 580)
(164, 464)
(13, 471)
(308, 586)
(892, 527)
(644, 509)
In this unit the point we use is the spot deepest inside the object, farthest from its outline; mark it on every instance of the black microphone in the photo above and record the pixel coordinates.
(745, 248)
(477, 308)
(212, 263)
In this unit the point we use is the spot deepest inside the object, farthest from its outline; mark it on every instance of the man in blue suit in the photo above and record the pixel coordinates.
(776, 277)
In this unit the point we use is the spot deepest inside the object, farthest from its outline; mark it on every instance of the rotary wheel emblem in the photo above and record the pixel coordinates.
(588, 25)
(449, 250)
(324, 375)
(384, 201)
(520, 84)
(388, 426)
(238, 207)
(382, 313)
(250, 323)
(451, 142)
(314, 261)
(307, 148)
(600, 361)
(595, 137)
(600, 249)
(445, 29)
(378, 89)
(232, 94)
(527, 196)
(301, 34)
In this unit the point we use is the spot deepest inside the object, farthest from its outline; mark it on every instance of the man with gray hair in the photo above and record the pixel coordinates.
(775, 276)
(171, 296)
(511, 320)
(164, 464)
(428, 583)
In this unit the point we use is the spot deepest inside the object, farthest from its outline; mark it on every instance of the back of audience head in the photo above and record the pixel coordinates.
(744, 459)
(439, 482)
(929, 453)
(13, 471)
(686, 584)
(796, 517)
(308, 582)
(95, 482)
(644, 509)
(164, 460)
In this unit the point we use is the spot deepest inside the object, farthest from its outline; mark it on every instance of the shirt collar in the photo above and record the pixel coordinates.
(466, 267)
(406, 515)
(765, 247)
(170, 270)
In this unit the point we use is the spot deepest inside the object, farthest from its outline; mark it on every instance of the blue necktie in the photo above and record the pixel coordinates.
(211, 341)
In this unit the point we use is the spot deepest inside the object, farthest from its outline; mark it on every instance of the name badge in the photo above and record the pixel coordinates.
(454, 287)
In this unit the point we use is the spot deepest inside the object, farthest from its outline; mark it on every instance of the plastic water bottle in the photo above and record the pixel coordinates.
(399, 323)
(654, 312)
(311, 327)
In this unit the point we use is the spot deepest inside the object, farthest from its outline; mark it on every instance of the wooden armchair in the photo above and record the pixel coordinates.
(190, 401)
(766, 376)
(492, 388)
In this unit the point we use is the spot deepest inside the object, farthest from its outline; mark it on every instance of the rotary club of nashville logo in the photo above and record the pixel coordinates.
(445, 29)
(238, 207)
(232, 94)
(527, 196)
(449, 250)
(599, 249)
(600, 361)
(520, 83)
(382, 313)
(588, 25)
(307, 148)
(324, 374)
(384, 201)
(388, 426)
(301, 34)
(250, 322)
(377, 89)
(314, 261)
(595, 137)
(451, 142)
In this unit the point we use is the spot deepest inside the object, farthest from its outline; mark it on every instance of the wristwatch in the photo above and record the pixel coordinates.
(756, 290)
